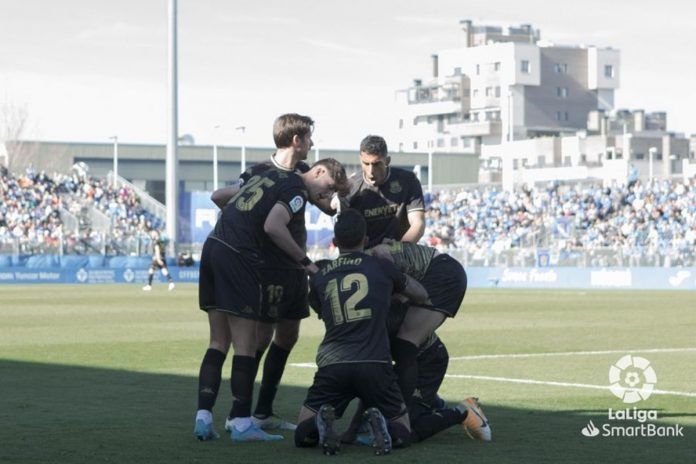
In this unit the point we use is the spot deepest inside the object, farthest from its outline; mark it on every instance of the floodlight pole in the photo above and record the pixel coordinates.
(651, 154)
(242, 129)
(171, 179)
(215, 157)
(114, 181)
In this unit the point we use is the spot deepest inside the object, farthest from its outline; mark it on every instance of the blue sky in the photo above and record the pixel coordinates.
(89, 69)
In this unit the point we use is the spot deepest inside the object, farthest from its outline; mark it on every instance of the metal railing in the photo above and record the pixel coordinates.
(148, 203)
(140, 245)
(70, 222)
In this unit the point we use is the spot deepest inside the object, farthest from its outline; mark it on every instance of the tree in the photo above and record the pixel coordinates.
(13, 125)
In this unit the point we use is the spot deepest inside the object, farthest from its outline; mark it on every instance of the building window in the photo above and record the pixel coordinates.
(415, 145)
(608, 71)
(474, 117)
(562, 92)
(560, 68)
(525, 68)
(478, 69)
(458, 71)
(454, 141)
(561, 115)
(401, 123)
(466, 143)
(440, 143)
(489, 91)
(496, 66)
(475, 93)
(640, 156)
(497, 91)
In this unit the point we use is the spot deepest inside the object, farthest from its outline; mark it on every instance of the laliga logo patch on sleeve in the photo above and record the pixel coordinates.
(296, 203)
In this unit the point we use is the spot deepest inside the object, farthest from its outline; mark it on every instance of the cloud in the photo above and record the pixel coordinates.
(258, 20)
(118, 30)
(425, 20)
(341, 48)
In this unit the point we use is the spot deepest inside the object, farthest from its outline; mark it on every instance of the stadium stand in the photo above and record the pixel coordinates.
(635, 225)
(70, 214)
(640, 224)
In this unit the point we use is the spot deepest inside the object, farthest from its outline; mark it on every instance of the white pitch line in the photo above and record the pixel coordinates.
(304, 365)
(560, 384)
(569, 353)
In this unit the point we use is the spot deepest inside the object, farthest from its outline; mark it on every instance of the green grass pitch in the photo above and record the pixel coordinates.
(108, 374)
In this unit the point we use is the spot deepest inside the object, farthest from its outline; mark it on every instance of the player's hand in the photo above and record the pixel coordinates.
(382, 252)
(335, 202)
(312, 269)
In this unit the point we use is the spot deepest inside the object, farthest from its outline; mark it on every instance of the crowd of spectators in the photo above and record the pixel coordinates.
(636, 224)
(33, 217)
(648, 224)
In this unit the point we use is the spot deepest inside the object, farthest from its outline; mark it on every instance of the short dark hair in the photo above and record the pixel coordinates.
(286, 126)
(350, 229)
(374, 145)
(337, 173)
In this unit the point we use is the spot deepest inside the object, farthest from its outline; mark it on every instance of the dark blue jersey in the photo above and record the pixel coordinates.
(353, 293)
(385, 207)
(241, 224)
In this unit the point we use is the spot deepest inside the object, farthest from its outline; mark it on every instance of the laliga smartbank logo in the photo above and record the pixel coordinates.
(632, 379)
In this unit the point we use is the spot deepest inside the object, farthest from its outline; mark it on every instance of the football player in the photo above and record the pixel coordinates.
(352, 295)
(390, 199)
(253, 273)
(159, 261)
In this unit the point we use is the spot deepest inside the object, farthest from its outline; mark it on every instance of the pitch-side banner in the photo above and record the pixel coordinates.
(638, 278)
(198, 214)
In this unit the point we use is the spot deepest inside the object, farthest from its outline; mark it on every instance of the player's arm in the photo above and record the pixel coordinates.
(404, 284)
(276, 227)
(416, 229)
(222, 195)
(414, 291)
(415, 213)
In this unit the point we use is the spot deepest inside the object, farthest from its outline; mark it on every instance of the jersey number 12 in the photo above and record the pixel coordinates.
(347, 312)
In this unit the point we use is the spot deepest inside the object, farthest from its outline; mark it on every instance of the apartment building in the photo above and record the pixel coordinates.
(505, 84)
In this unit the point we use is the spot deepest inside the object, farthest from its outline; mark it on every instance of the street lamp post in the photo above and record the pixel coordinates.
(243, 160)
(215, 157)
(115, 170)
(651, 156)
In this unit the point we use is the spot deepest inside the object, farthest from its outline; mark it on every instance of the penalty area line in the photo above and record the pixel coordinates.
(569, 353)
(559, 384)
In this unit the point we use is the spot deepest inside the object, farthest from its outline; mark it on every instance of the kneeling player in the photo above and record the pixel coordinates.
(420, 356)
(352, 295)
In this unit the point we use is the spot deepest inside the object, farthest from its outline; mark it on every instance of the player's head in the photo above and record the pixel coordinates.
(154, 234)
(294, 131)
(350, 230)
(374, 159)
(325, 177)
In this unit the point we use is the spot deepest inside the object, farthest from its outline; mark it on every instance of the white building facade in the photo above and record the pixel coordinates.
(505, 84)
